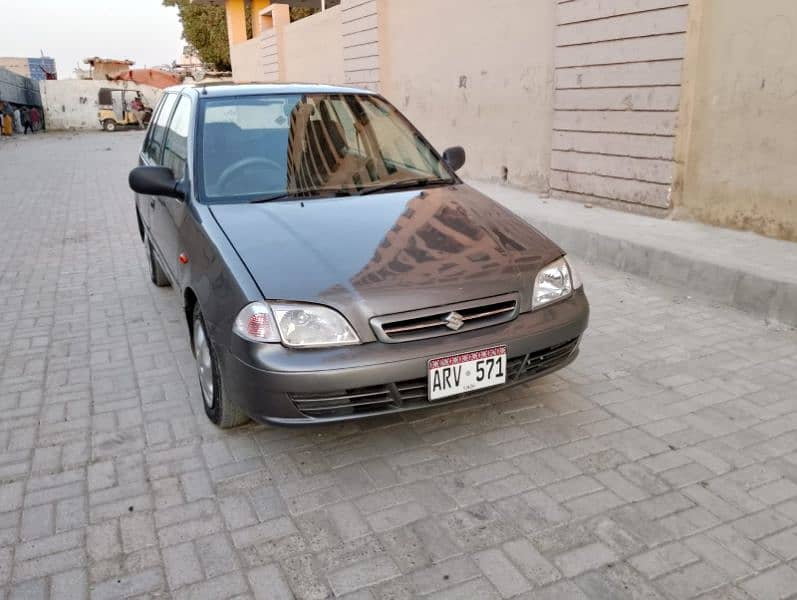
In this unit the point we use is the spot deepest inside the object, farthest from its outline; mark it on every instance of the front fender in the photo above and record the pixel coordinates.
(214, 272)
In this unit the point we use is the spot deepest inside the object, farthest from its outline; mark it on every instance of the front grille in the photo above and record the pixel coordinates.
(434, 322)
(414, 392)
(370, 399)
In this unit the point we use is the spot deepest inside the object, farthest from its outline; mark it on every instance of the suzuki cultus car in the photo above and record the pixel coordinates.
(333, 266)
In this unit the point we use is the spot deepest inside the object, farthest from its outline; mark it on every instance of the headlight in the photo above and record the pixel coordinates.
(310, 325)
(295, 325)
(552, 283)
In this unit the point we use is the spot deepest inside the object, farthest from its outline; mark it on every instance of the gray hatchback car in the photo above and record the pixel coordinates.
(331, 263)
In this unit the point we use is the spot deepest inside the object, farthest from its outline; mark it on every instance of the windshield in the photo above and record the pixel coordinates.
(261, 147)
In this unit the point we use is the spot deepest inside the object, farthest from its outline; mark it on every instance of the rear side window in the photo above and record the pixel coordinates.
(155, 142)
(175, 151)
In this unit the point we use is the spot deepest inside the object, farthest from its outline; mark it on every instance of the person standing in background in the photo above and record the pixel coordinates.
(24, 114)
(138, 111)
(35, 119)
(17, 121)
(6, 115)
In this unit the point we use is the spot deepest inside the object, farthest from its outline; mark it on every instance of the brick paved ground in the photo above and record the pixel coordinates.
(663, 463)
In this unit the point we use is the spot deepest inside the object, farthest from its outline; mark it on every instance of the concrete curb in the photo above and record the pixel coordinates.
(761, 296)
(676, 257)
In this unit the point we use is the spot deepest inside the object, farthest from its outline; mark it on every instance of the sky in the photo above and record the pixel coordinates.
(70, 30)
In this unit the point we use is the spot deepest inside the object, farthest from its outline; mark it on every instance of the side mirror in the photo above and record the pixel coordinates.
(154, 181)
(455, 157)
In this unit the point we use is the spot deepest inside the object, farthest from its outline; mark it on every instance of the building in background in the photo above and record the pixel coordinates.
(18, 89)
(107, 68)
(37, 69)
(664, 107)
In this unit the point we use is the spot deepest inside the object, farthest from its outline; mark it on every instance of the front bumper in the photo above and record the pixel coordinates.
(297, 387)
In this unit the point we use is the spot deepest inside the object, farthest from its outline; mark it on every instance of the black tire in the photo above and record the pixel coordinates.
(109, 125)
(222, 411)
(156, 273)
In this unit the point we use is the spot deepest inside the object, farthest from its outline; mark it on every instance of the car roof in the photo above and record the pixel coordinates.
(221, 89)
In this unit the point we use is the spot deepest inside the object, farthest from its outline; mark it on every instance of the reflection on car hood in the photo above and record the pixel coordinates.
(386, 253)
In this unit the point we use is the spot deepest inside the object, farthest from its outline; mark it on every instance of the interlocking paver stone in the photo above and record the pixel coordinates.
(784, 544)
(691, 581)
(662, 463)
(182, 565)
(777, 583)
(585, 558)
(531, 563)
(501, 572)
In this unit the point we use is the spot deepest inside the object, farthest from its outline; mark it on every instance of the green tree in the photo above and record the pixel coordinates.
(300, 13)
(205, 28)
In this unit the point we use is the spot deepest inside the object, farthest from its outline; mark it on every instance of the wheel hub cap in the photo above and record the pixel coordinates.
(203, 362)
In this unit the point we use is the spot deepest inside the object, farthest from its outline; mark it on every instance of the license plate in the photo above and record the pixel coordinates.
(461, 373)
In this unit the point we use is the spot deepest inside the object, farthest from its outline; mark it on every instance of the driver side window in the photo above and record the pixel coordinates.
(155, 143)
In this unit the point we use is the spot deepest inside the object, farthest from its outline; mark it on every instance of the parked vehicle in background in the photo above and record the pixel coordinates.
(116, 109)
(333, 266)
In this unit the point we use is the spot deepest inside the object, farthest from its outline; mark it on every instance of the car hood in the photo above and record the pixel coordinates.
(387, 253)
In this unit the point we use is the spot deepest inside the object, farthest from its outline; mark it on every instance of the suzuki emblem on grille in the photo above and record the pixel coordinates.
(454, 321)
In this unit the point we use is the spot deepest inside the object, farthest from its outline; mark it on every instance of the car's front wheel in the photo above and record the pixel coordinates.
(219, 409)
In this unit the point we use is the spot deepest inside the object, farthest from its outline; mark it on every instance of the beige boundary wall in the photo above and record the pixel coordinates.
(73, 103)
(313, 48)
(654, 106)
(449, 75)
(482, 80)
(617, 92)
(247, 61)
(737, 154)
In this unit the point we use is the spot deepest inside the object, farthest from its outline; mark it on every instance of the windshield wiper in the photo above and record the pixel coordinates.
(405, 183)
(273, 198)
(311, 195)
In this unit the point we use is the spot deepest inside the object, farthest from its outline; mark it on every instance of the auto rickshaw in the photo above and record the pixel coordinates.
(115, 111)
